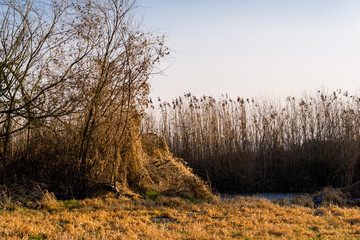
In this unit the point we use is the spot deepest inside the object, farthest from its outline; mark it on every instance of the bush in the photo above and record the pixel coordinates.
(73, 83)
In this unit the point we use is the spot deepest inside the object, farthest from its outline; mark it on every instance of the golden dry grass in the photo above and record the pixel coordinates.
(109, 217)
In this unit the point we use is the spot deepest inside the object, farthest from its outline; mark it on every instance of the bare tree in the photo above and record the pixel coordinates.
(76, 69)
(33, 66)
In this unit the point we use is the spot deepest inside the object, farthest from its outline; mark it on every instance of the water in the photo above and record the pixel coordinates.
(269, 196)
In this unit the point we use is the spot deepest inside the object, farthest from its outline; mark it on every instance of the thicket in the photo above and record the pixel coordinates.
(255, 145)
(73, 82)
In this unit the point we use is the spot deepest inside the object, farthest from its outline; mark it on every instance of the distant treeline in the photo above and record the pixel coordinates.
(255, 145)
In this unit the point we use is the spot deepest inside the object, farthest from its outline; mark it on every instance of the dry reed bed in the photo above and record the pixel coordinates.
(295, 144)
(174, 218)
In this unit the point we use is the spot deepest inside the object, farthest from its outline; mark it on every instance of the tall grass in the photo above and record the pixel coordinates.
(263, 144)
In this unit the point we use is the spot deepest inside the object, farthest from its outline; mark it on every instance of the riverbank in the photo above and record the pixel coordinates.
(158, 217)
(268, 196)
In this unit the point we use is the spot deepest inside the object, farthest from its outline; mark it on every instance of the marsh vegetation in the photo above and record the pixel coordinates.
(297, 144)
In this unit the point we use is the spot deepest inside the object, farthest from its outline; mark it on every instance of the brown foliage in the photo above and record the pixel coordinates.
(169, 174)
(74, 79)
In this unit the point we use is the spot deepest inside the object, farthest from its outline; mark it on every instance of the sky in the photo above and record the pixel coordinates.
(252, 48)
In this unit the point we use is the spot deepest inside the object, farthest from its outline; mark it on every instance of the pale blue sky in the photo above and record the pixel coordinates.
(256, 47)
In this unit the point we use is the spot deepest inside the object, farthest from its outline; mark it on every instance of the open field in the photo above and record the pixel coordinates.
(109, 217)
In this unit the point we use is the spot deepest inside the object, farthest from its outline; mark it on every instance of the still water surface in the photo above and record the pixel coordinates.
(268, 196)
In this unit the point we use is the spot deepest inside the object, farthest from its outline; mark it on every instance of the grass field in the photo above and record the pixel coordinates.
(158, 217)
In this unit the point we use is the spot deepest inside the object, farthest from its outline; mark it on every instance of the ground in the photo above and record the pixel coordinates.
(159, 217)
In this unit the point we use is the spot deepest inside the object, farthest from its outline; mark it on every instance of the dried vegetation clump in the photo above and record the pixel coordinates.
(347, 196)
(170, 175)
(330, 196)
(113, 217)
